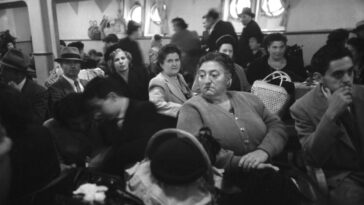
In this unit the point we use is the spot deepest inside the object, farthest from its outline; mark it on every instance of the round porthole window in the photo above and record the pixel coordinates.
(154, 13)
(272, 7)
(236, 7)
(136, 13)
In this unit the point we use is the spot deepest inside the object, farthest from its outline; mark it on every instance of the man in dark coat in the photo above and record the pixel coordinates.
(13, 73)
(130, 44)
(251, 29)
(189, 43)
(129, 123)
(217, 28)
(69, 82)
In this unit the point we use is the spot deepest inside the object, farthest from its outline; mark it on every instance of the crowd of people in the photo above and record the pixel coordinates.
(185, 125)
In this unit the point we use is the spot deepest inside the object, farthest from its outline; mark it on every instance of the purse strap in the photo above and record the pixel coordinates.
(278, 75)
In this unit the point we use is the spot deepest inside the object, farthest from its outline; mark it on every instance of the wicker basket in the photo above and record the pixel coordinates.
(274, 97)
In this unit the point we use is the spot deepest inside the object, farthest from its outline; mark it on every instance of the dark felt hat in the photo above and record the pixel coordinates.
(247, 11)
(212, 13)
(14, 59)
(359, 26)
(176, 157)
(69, 53)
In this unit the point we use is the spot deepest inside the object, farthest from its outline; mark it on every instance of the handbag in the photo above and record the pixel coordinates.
(274, 97)
(94, 32)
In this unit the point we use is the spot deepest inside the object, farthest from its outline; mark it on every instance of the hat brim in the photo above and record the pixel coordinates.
(68, 59)
(361, 27)
(13, 67)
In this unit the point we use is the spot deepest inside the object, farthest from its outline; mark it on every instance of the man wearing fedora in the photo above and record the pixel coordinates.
(68, 82)
(217, 28)
(13, 72)
(251, 29)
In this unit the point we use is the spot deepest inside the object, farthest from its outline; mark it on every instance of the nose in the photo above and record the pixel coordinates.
(347, 78)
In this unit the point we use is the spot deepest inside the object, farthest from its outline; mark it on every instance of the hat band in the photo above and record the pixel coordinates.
(12, 63)
(70, 55)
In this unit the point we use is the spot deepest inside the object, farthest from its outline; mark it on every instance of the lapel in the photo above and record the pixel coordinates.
(358, 102)
(65, 86)
(320, 105)
(173, 89)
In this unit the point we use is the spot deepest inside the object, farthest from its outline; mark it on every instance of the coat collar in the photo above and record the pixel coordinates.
(174, 90)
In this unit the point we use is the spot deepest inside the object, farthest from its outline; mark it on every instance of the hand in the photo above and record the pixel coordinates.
(14, 85)
(267, 166)
(253, 159)
(339, 101)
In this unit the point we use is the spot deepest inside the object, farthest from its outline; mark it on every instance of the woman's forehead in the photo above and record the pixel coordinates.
(211, 66)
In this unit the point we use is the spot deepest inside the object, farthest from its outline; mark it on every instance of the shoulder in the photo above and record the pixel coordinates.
(158, 80)
(306, 101)
(33, 86)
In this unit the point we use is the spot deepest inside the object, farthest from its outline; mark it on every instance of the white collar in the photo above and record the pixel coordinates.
(18, 86)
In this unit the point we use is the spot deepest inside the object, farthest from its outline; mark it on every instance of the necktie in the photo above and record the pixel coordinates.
(78, 88)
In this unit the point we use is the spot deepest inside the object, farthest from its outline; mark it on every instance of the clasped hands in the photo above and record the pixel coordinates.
(256, 160)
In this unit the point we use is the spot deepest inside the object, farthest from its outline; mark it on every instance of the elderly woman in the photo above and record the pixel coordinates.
(276, 60)
(168, 90)
(249, 134)
(133, 81)
(225, 44)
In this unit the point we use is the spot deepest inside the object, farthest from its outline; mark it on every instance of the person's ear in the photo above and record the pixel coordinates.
(317, 77)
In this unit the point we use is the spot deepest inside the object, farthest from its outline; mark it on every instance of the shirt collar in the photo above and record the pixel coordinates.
(213, 26)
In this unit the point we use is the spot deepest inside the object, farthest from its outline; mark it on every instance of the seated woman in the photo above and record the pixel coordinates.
(275, 61)
(249, 134)
(225, 44)
(168, 90)
(132, 80)
(71, 130)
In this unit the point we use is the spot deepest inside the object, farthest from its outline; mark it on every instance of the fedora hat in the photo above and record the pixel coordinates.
(247, 11)
(69, 53)
(14, 59)
(359, 26)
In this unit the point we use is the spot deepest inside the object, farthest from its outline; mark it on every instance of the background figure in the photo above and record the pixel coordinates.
(189, 43)
(359, 29)
(133, 81)
(168, 90)
(33, 157)
(251, 28)
(130, 44)
(276, 60)
(110, 44)
(255, 45)
(155, 46)
(356, 48)
(7, 41)
(14, 73)
(217, 28)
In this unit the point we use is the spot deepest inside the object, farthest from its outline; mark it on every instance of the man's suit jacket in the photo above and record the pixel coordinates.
(38, 99)
(60, 89)
(245, 55)
(325, 142)
(221, 28)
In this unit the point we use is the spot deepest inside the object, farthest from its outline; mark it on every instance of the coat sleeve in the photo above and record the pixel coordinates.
(157, 96)
(40, 106)
(318, 141)
(276, 136)
(54, 95)
(189, 119)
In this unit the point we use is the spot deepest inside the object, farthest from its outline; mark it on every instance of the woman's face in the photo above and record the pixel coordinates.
(213, 79)
(121, 62)
(227, 49)
(171, 64)
(277, 49)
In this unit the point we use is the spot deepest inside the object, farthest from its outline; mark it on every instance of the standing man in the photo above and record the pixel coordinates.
(13, 72)
(190, 45)
(251, 29)
(329, 121)
(217, 28)
(68, 82)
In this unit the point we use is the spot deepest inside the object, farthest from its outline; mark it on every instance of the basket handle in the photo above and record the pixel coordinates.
(278, 75)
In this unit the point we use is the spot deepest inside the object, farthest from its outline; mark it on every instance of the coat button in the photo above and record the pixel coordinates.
(242, 129)
(236, 118)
